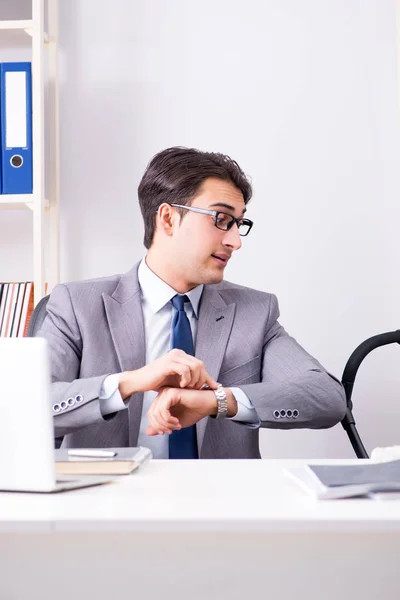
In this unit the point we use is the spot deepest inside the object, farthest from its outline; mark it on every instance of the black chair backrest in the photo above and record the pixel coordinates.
(37, 317)
(348, 379)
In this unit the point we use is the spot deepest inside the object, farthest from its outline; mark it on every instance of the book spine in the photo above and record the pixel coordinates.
(9, 310)
(20, 304)
(17, 308)
(30, 307)
(3, 305)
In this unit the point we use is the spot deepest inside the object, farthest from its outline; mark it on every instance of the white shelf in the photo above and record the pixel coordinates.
(16, 34)
(19, 201)
(14, 25)
(30, 33)
(16, 202)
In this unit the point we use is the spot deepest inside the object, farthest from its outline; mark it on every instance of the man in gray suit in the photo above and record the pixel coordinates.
(171, 356)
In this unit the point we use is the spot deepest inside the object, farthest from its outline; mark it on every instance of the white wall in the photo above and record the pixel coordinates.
(304, 96)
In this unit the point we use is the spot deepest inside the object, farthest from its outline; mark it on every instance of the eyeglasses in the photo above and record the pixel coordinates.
(222, 220)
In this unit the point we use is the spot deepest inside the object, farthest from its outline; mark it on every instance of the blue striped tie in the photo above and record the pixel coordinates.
(182, 443)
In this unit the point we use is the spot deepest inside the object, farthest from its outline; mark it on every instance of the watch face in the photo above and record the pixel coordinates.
(220, 392)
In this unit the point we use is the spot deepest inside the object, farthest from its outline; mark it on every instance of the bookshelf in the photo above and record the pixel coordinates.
(41, 44)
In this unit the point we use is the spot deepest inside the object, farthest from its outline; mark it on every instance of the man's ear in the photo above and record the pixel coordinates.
(167, 219)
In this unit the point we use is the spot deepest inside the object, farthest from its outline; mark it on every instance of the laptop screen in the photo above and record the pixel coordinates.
(26, 425)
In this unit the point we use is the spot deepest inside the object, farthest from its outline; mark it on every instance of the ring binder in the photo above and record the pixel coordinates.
(16, 127)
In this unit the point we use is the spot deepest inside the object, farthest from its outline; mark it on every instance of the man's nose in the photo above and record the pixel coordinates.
(232, 238)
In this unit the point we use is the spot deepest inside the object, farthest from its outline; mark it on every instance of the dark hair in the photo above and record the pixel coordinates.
(175, 175)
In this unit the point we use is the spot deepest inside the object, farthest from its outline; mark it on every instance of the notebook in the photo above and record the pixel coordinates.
(125, 461)
(345, 481)
(26, 421)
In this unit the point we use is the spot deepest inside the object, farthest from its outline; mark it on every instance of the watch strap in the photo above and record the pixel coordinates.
(222, 403)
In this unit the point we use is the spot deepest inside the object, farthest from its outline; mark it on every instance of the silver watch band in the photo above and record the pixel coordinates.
(222, 404)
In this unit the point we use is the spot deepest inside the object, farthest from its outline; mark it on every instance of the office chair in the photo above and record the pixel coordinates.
(349, 376)
(37, 317)
(35, 324)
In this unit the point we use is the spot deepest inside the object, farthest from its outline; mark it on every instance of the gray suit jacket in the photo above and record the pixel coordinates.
(95, 328)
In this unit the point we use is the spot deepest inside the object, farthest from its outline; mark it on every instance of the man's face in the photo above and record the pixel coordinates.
(202, 250)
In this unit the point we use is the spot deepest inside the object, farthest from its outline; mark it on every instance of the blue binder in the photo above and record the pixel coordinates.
(16, 127)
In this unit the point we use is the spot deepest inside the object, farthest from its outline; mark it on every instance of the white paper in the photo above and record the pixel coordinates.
(16, 119)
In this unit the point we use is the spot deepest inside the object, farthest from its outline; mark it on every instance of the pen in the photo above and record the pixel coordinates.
(92, 453)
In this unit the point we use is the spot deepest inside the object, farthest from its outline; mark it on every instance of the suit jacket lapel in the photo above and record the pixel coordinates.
(214, 328)
(125, 319)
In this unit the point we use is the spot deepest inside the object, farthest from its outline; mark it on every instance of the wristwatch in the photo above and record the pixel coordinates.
(222, 404)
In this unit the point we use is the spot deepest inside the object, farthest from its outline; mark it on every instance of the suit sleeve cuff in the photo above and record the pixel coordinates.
(111, 400)
(246, 412)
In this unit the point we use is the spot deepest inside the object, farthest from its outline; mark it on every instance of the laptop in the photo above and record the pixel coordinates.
(27, 462)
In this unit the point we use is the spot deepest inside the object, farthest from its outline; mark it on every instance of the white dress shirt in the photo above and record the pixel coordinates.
(158, 315)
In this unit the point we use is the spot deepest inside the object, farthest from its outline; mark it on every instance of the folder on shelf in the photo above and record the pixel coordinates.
(16, 128)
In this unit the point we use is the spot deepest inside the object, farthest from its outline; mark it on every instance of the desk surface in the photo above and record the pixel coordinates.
(188, 496)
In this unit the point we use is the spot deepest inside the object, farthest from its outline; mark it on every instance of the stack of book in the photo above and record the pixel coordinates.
(365, 478)
(98, 461)
(16, 307)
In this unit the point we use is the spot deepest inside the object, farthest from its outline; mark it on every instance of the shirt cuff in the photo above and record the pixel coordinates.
(111, 400)
(246, 412)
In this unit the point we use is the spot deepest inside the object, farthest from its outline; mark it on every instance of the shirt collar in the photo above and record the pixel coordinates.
(158, 293)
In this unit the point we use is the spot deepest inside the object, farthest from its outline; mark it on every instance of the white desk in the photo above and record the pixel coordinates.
(198, 530)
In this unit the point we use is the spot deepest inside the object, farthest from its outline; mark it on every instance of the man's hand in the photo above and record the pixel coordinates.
(175, 408)
(175, 369)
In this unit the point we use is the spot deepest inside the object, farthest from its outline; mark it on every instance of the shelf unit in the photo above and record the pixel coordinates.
(44, 204)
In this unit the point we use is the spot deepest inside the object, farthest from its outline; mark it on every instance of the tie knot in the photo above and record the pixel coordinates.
(179, 301)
